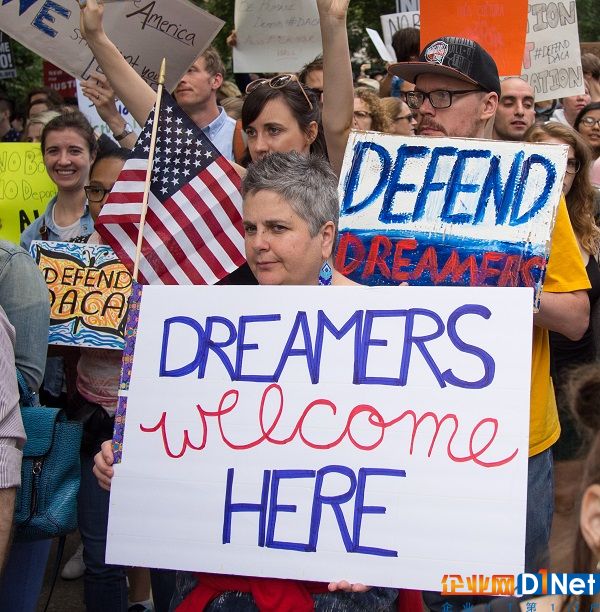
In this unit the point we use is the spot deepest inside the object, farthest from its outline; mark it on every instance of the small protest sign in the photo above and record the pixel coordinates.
(275, 36)
(552, 60)
(309, 429)
(499, 27)
(144, 32)
(59, 80)
(25, 188)
(390, 24)
(447, 211)
(8, 69)
(89, 290)
(100, 126)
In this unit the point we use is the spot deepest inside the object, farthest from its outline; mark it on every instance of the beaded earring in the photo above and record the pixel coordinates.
(325, 274)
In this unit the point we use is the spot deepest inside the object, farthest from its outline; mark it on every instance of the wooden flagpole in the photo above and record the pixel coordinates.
(138, 250)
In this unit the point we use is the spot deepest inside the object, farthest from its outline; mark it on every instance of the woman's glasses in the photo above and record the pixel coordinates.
(573, 165)
(277, 82)
(590, 122)
(95, 194)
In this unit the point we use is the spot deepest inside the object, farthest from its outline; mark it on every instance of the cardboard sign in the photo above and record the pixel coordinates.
(25, 188)
(303, 432)
(100, 126)
(552, 61)
(275, 36)
(498, 26)
(447, 211)
(8, 69)
(144, 32)
(390, 24)
(89, 291)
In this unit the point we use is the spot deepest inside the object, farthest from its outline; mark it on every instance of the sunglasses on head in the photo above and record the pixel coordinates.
(277, 82)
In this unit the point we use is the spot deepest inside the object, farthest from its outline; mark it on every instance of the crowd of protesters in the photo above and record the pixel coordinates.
(283, 131)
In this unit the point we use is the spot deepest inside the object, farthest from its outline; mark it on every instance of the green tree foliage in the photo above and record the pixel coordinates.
(29, 74)
(588, 17)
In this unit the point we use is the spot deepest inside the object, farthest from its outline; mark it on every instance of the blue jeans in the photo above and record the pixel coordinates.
(104, 586)
(540, 507)
(23, 576)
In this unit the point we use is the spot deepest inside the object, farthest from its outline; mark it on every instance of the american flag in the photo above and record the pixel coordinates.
(193, 231)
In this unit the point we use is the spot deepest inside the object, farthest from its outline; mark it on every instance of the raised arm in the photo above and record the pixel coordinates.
(338, 92)
(129, 86)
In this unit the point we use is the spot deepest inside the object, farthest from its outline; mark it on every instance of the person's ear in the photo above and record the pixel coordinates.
(589, 518)
(217, 80)
(327, 233)
(489, 104)
(312, 132)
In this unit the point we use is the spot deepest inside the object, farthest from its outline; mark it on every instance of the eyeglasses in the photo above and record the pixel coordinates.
(96, 194)
(361, 114)
(277, 82)
(573, 165)
(409, 118)
(440, 98)
(590, 122)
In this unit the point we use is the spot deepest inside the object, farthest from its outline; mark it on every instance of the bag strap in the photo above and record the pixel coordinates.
(59, 554)
(26, 395)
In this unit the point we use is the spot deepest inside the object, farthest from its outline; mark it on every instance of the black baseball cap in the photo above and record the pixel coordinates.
(461, 58)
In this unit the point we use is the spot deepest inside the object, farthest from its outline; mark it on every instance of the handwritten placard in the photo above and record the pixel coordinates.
(89, 290)
(275, 36)
(303, 432)
(25, 188)
(144, 32)
(100, 126)
(390, 24)
(552, 61)
(447, 211)
(496, 25)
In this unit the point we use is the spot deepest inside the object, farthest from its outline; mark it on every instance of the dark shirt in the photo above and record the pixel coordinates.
(11, 136)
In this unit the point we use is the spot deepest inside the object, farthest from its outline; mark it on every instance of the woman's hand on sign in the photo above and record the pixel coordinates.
(348, 587)
(103, 461)
(90, 18)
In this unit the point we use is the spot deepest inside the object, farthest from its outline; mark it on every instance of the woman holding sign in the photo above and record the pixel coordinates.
(290, 216)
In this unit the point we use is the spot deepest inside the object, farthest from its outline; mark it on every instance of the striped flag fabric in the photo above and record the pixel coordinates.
(193, 233)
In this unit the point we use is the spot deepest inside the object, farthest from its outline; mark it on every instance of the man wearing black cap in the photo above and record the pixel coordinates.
(456, 88)
(456, 94)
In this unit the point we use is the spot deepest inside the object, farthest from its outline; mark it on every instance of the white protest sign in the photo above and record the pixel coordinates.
(354, 413)
(100, 126)
(552, 61)
(448, 211)
(390, 24)
(384, 53)
(275, 36)
(144, 32)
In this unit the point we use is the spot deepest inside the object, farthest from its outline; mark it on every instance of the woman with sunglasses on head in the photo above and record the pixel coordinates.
(587, 123)
(281, 115)
(564, 353)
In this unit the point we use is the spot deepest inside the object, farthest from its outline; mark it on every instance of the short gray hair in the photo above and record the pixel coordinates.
(307, 182)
